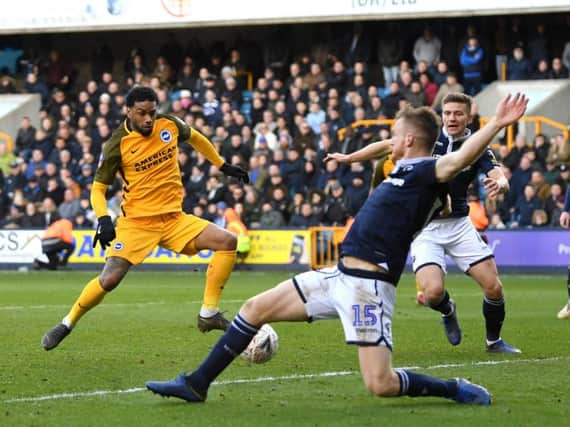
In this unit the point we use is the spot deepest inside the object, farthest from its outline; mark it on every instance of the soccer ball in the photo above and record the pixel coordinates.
(263, 345)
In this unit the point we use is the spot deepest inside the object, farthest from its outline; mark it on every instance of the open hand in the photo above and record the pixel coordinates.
(492, 187)
(510, 109)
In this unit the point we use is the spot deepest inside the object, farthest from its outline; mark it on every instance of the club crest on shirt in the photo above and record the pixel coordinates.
(165, 136)
(118, 246)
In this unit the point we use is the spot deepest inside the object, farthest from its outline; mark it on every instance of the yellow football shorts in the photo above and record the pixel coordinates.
(137, 237)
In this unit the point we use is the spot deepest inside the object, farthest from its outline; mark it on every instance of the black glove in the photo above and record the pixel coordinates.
(236, 171)
(105, 233)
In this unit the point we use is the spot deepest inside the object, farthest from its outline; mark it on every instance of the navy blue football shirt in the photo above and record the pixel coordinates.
(391, 217)
(457, 187)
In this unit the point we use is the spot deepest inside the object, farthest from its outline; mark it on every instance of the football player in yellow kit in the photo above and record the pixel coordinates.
(143, 150)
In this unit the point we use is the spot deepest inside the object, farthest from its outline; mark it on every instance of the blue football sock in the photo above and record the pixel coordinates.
(414, 385)
(494, 312)
(443, 306)
(229, 346)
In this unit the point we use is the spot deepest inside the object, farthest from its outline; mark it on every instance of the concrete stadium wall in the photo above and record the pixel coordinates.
(548, 98)
(14, 107)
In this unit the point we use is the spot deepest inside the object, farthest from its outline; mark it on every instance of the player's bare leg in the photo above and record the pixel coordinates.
(221, 265)
(564, 313)
(381, 380)
(281, 303)
(93, 293)
(431, 279)
(485, 273)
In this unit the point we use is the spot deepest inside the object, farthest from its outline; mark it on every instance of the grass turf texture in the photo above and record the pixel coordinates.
(146, 329)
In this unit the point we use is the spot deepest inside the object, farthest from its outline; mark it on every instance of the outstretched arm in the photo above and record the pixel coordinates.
(371, 151)
(509, 110)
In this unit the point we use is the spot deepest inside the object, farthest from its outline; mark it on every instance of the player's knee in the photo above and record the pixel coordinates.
(493, 289)
(252, 311)
(111, 280)
(230, 242)
(382, 386)
(433, 290)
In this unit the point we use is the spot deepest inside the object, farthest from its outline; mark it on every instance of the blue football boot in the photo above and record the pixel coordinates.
(471, 394)
(451, 325)
(179, 387)
(502, 347)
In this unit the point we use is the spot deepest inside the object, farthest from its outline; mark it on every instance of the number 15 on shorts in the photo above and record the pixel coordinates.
(364, 315)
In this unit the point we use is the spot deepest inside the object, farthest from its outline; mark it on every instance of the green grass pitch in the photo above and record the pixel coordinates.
(146, 329)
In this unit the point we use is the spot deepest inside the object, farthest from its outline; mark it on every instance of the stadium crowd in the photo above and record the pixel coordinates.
(280, 130)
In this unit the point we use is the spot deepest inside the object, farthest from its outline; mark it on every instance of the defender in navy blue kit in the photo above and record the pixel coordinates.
(454, 235)
(361, 289)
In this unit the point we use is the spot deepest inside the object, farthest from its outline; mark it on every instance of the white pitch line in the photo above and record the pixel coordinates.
(281, 378)
(110, 305)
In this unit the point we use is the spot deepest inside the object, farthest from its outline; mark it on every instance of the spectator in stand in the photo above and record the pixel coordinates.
(357, 192)
(539, 218)
(316, 117)
(519, 67)
(559, 152)
(513, 158)
(416, 96)
(542, 72)
(451, 85)
(35, 85)
(49, 210)
(15, 180)
(541, 147)
(356, 46)
(440, 73)
(392, 100)
(6, 159)
(69, 207)
(270, 218)
(559, 71)
(471, 60)
(429, 87)
(427, 48)
(541, 187)
(564, 178)
(305, 219)
(538, 45)
(525, 207)
(25, 139)
(389, 52)
(32, 218)
(60, 73)
(551, 173)
(554, 205)
(521, 177)
(337, 206)
(293, 171)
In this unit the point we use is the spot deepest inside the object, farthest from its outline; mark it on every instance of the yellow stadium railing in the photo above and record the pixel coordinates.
(538, 121)
(248, 75)
(361, 123)
(9, 141)
(325, 243)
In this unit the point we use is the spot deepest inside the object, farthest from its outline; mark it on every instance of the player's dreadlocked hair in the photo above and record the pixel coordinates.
(425, 123)
(140, 94)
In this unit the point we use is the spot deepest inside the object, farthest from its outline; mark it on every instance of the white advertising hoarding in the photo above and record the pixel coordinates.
(88, 15)
(20, 246)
